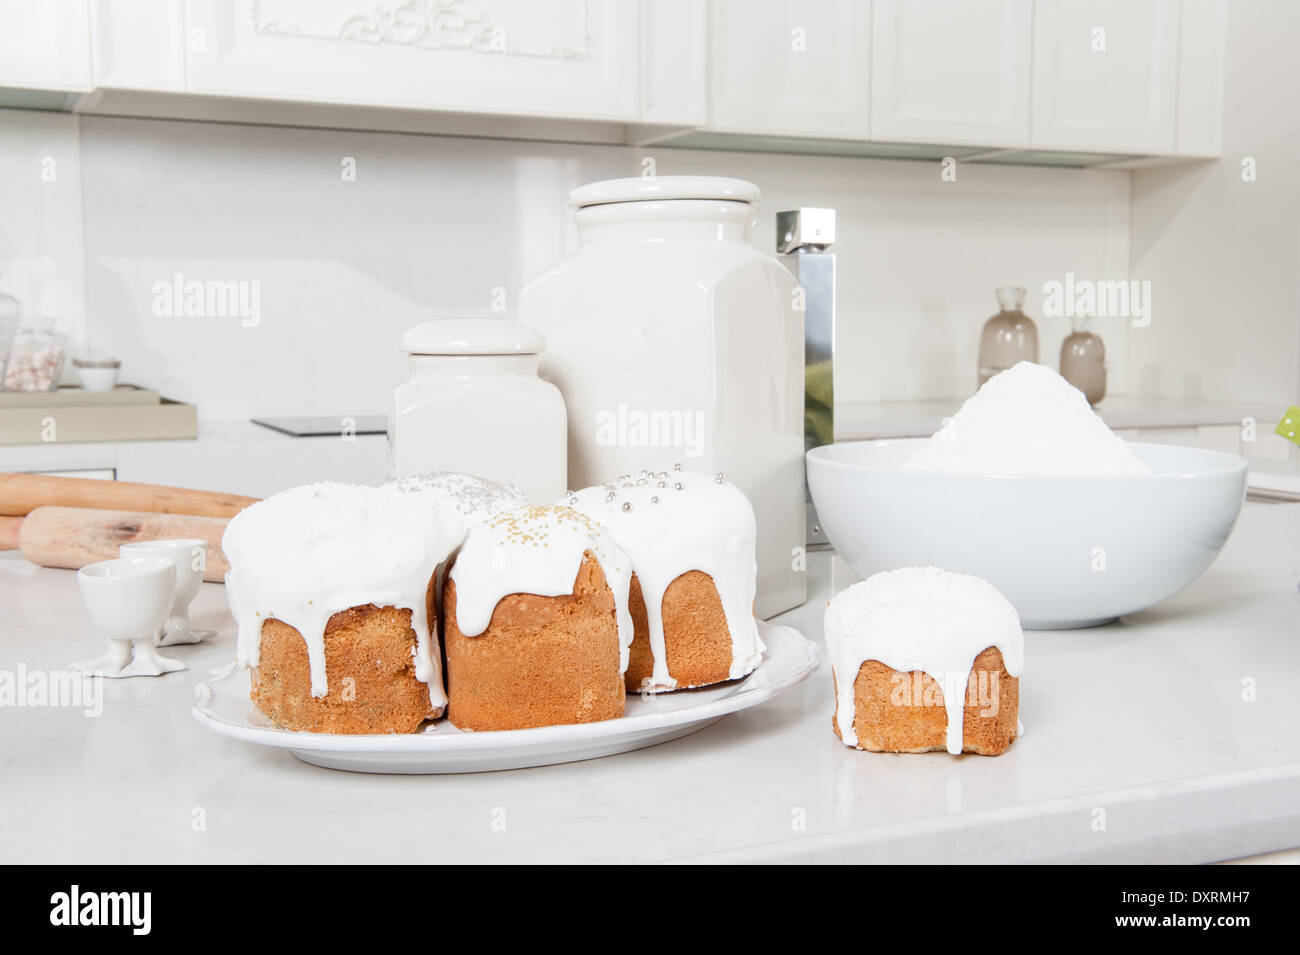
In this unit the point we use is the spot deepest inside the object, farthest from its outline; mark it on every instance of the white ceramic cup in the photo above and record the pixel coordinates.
(189, 558)
(129, 599)
(97, 377)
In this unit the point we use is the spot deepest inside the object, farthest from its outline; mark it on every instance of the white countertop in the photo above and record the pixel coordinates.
(237, 457)
(240, 457)
(1140, 724)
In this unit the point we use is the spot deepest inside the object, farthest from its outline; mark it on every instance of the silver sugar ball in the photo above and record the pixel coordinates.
(609, 496)
(679, 486)
(721, 478)
(627, 506)
(679, 467)
(655, 499)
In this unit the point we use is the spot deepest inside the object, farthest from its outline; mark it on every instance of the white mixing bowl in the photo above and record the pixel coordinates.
(1067, 551)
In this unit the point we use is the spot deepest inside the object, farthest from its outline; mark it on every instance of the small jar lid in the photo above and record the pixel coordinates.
(96, 363)
(473, 336)
(640, 189)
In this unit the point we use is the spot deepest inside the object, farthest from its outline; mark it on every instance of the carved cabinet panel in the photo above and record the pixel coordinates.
(562, 58)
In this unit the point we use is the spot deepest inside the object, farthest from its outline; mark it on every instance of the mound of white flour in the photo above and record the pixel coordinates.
(1026, 420)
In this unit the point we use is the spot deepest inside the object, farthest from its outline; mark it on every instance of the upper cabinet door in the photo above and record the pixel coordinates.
(951, 71)
(1105, 75)
(139, 46)
(674, 62)
(45, 44)
(562, 58)
(790, 67)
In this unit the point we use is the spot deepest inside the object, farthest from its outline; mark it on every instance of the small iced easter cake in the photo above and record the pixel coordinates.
(536, 622)
(332, 606)
(924, 660)
(690, 537)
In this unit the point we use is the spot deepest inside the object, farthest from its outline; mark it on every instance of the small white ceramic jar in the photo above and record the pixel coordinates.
(474, 403)
(97, 374)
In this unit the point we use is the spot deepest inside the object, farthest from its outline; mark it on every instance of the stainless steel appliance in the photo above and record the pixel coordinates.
(803, 240)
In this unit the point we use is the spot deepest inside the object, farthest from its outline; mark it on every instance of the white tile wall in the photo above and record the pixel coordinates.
(919, 258)
(40, 217)
(1223, 254)
(432, 226)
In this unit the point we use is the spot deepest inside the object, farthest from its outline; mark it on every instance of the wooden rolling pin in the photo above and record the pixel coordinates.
(73, 537)
(21, 494)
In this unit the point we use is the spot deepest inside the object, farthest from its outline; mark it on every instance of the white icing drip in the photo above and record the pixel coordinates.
(535, 550)
(919, 618)
(305, 554)
(475, 499)
(705, 525)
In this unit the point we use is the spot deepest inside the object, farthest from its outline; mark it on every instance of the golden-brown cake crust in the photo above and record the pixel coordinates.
(885, 726)
(697, 642)
(542, 661)
(369, 667)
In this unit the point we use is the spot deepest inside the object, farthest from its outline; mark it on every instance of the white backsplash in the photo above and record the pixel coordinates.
(1219, 242)
(437, 226)
(40, 217)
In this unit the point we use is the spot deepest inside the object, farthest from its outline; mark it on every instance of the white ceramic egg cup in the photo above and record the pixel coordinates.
(189, 555)
(129, 599)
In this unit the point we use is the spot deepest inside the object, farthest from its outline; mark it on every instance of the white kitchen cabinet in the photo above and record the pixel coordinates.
(1202, 28)
(45, 45)
(138, 44)
(674, 62)
(1113, 78)
(1105, 76)
(787, 68)
(561, 58)
(951, 71)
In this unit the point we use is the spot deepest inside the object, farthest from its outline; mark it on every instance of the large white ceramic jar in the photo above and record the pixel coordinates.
(475, 403)
(672, 340)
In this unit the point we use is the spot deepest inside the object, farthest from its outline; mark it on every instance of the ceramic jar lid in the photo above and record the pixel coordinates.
(473, 336)
(96, 363)
(639, 189)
